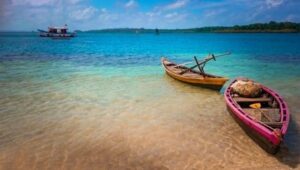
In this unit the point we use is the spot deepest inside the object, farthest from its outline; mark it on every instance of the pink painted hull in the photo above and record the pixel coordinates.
(262, 133)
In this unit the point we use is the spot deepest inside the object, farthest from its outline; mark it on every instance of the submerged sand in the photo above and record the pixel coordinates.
(152, 122)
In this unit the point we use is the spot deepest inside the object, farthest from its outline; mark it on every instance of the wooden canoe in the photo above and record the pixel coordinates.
(266, 125)
(192, 76)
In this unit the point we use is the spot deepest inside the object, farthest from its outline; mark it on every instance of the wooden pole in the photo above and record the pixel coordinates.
(203, 62)
(200, 69)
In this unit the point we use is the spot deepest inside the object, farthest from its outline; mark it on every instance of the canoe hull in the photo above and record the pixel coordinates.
(263, 135)
(254, 135)
(211, 82)
(56, 35)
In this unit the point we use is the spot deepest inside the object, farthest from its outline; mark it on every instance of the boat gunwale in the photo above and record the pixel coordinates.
(259, 126)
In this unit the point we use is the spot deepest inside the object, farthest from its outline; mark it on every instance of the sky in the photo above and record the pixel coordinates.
(28, 15)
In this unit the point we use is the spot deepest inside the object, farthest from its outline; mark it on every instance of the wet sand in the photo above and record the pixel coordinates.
(153, 122)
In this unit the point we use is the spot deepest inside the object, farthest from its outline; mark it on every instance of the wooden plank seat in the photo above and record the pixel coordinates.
(273, 124)
(259, 99)
(264, 114)
(267, 116)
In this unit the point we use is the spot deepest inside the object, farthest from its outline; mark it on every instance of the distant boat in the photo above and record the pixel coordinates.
(57, 32)
(188, 75)
(264, 118)
(156, 31)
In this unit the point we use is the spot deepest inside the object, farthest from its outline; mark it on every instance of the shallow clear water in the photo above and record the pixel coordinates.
(103, 101)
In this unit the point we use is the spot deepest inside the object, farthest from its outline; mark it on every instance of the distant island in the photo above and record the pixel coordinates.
(271, 27)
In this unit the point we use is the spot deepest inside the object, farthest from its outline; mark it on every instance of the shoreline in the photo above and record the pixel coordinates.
(271, 27)
(128, 32)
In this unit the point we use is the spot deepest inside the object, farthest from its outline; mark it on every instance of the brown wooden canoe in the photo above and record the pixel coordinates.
(192, 76)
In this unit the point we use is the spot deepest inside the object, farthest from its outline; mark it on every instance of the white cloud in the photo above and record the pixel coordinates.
(292, 18)
(103, 10)
(83, 14)
(74, 1)
(33, 2)
(130, 4)
(153, 13)
(177, 4)
(273, 3)
(174, 17)
(150, 14)
(80, 14)
(213, 13)
(171, 15)
(38, 3)
(106, 15)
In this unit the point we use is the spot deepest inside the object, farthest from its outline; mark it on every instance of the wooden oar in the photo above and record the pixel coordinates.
(203, 62)
(220, 55)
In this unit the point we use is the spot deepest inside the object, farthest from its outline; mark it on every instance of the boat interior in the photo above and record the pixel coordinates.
(267, 112)
(185, 71)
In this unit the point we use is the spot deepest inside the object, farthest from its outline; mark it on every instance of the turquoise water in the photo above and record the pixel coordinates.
(72, 96)
(258, 56)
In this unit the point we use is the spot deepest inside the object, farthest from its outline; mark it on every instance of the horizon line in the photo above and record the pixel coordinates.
(138, 28)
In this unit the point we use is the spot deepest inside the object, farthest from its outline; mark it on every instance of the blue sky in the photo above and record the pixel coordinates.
(93, 14)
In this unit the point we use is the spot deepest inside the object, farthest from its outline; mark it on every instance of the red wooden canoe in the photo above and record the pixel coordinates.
(266, 125)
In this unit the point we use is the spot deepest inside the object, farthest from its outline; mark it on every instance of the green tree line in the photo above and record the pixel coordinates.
(256, 27)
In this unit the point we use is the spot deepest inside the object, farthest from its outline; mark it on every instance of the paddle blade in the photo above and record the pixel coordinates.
(255, 106)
